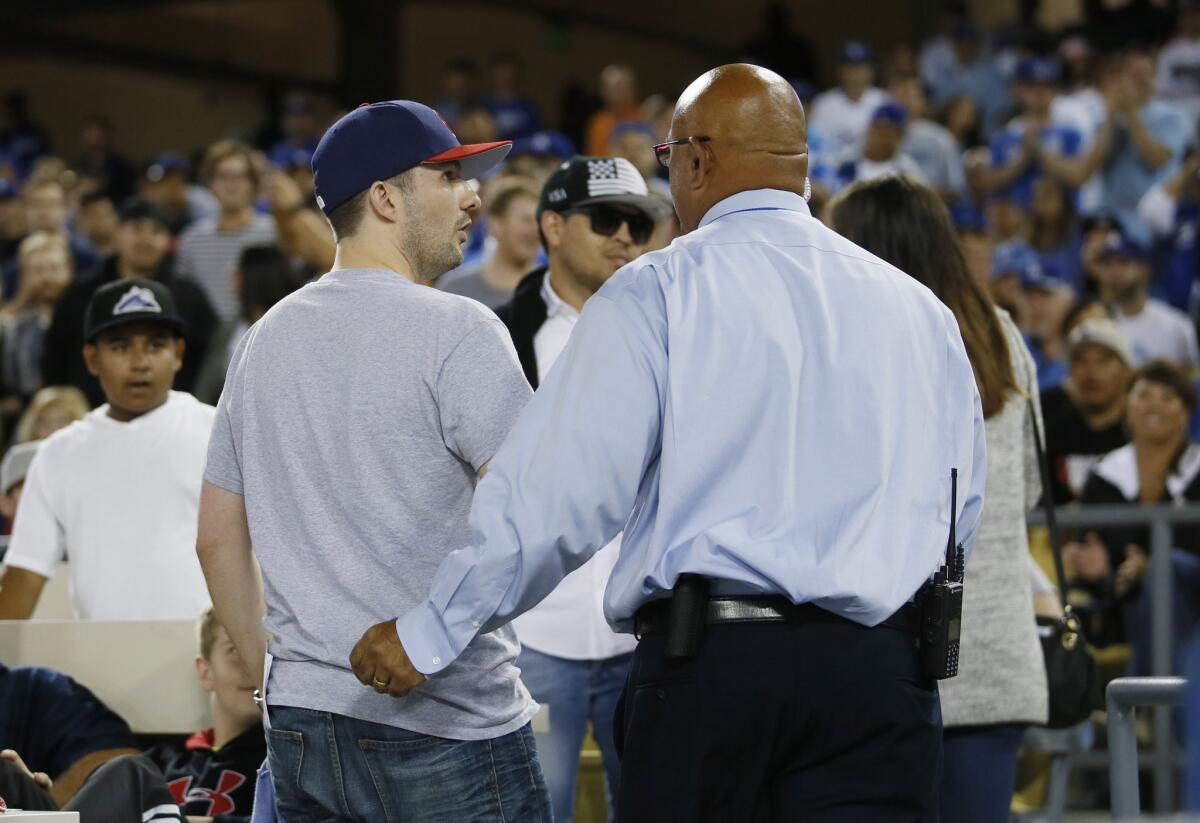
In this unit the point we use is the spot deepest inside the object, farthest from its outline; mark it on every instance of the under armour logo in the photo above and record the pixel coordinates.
(137, 299)
(219, 801)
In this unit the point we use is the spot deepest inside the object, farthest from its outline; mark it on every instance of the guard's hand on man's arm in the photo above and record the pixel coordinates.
(379, 661)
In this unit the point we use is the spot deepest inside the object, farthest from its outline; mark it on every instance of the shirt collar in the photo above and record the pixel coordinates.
(555, 305)
(755, 200)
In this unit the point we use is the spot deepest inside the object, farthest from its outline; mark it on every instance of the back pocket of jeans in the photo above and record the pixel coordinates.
(285, 751)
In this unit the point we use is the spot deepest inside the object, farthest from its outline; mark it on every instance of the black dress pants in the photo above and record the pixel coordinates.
(823, 721)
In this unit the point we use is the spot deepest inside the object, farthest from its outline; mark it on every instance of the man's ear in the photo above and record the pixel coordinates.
(381, 200)
(91, 357)
(700, 165)
(180, 348)
(552, 228)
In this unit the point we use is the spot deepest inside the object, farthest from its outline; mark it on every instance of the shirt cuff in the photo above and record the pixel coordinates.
(425, 639)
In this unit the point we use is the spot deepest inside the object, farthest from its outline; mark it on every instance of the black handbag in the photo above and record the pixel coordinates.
(1070, 668)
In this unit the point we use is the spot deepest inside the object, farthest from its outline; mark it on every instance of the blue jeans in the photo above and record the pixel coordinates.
(572, 692)
(979, 772)
(328, 767)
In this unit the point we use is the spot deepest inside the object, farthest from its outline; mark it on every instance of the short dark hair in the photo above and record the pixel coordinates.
(346, 218)
(1166, 373)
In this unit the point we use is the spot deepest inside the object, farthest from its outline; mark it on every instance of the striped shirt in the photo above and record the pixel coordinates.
(208, 256)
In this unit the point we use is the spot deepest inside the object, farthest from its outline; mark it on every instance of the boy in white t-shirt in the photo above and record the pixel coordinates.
(117, 492)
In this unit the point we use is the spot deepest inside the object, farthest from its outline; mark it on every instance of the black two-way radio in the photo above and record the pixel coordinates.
(940, 603)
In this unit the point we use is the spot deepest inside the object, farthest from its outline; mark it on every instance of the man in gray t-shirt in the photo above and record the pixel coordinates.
(355, 420)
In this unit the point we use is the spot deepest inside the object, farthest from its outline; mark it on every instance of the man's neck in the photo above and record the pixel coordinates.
(1104, 418)
(235, 220)
(854, 95)
(1133, 303)
(126, 416)
(570, 292)
(353, 253)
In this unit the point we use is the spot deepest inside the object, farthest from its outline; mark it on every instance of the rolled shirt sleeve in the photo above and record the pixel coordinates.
(562, 485)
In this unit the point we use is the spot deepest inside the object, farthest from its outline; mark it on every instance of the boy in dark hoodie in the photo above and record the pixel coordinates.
(208, 779)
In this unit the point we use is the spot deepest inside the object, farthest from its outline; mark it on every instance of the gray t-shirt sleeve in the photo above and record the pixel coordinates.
(224, 467)
(480, 391)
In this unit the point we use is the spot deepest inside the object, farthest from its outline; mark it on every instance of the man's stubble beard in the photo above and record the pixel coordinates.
(432, 258)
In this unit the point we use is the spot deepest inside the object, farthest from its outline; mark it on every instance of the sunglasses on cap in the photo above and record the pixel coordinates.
(607, 221)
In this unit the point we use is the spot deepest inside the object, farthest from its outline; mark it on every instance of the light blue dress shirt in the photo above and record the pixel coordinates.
(762, 402)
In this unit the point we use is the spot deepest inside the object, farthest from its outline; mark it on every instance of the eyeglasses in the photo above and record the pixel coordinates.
(607, 221)
(662, 152)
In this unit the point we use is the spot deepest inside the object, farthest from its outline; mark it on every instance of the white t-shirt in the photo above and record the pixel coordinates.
(120, 502)
(841, 121)
(1160, 330)
(570, 622)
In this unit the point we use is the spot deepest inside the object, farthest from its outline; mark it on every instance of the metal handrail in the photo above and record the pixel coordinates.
(1160, 519)
(1123, 695)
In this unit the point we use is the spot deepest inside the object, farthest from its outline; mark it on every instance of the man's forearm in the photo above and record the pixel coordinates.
(20, 590)
(235, 585)
(234, 579)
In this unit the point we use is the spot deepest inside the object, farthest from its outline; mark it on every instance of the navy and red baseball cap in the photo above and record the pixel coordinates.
(377, 141)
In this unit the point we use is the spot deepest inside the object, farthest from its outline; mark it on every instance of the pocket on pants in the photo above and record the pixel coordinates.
(436, 780)
(432, 779)
(285, 752)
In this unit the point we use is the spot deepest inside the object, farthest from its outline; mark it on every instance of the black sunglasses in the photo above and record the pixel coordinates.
(607, 221)
(662, 152)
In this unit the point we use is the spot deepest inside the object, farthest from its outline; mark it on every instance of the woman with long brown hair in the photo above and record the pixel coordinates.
(1001, 685)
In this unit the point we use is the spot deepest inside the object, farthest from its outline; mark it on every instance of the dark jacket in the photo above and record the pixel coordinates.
(524, 315)
(208, 783)
(62, 356)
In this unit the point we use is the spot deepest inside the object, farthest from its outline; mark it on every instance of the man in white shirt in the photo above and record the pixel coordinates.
(1154, 328)
(843, 113)
(118, 492)
(595, 215)
(881, 153)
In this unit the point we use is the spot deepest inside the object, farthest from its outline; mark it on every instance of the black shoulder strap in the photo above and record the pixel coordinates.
(1048, 505)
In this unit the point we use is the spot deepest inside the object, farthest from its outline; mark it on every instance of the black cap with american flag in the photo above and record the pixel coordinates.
(582, 181)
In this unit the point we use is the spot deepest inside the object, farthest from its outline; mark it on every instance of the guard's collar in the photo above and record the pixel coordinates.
(754, 200)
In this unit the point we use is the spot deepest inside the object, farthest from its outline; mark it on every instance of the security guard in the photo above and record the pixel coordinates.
(770, 411)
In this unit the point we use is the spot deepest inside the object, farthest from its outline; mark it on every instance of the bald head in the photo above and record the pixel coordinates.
(757, 139)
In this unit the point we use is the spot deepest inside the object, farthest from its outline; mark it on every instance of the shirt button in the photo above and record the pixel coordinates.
(437, 661)
(475, 623)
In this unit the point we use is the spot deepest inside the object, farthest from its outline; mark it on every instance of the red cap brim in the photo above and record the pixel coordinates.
(474, 159)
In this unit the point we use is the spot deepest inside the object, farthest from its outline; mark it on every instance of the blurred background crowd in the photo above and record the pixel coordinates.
(1066, 149)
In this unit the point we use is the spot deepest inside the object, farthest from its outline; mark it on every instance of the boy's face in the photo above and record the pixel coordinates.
(224, 676)
(136, 365)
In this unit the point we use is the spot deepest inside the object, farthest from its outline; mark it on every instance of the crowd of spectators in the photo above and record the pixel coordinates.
(1068, 161)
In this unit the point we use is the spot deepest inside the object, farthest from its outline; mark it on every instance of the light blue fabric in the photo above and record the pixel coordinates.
(762, 402)
(1126, 177)
(264, 796)
(571, 693)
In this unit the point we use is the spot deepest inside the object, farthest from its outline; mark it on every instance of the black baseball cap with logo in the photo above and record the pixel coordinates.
(133, 300)
(584, 181)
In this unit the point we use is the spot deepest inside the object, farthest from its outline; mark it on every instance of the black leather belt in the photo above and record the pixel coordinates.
(652, 618)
